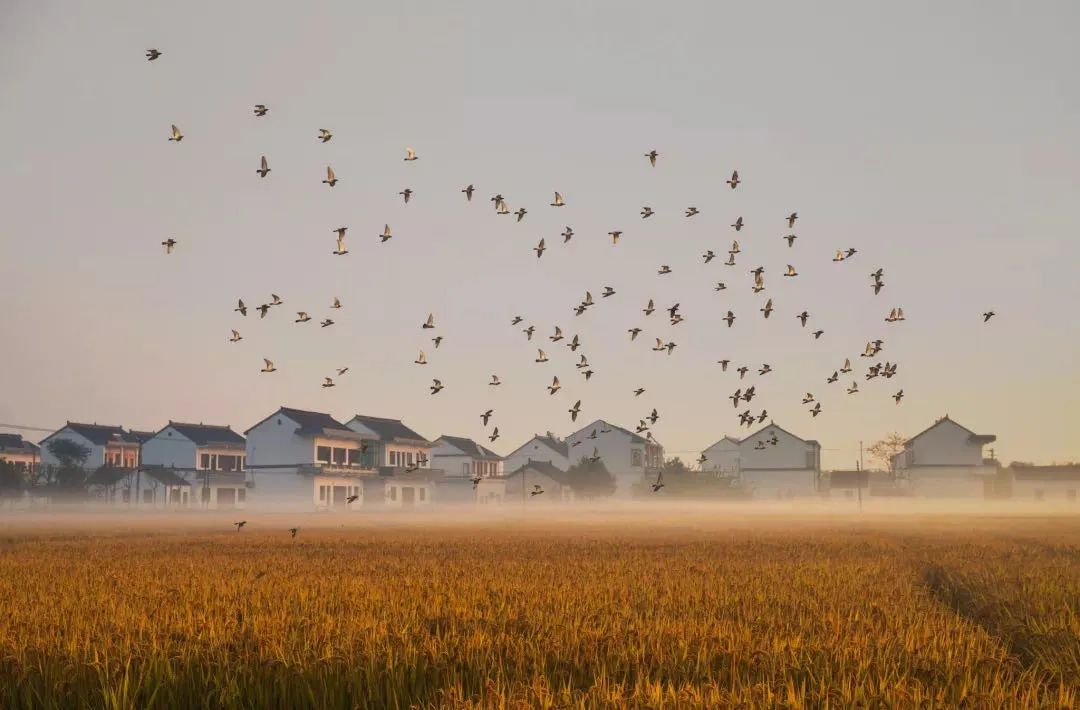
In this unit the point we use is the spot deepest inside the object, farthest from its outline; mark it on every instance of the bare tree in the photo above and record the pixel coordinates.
(884, 450)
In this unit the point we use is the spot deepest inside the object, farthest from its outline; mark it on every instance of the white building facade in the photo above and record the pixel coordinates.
(629, 457)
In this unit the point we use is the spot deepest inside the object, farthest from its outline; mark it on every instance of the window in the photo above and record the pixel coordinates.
(465, 468)
(408, 458)
(423, 493)
(241, 494)
(322, 454)
(393, 493)
(393, 458)
(354, 457)
(635, 457)
(810, 461)
(322, 493)
(339, 456)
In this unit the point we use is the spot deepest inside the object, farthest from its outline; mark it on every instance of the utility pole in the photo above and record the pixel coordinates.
(859, 477)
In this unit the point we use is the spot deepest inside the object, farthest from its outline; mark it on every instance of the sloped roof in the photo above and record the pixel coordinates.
(1067, 472)
(97, 434)
(206, 434)
(772, 425)
(142, 436)
(559, 447)
(976, 438)
(635, 438)
(108, 476)
(544, 467)
(15, 442)
(311, 423)
(166, 477)
(389, 429)
(470, 447)
(732, 439)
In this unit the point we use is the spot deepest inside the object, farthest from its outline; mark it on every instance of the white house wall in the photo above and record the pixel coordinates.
(946, 444)
(176, 451)
(273, 444)
(615, 449)
(534, 450)
(93, 461)
(790, 452)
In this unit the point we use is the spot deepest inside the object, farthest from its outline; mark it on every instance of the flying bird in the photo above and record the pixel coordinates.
(554, 386)
(646, 212)
(720, 286)
(768, 308)
(341, 250)
(723, 364)
(494, 435)
(691, 211)
(327, 382)
(176, 134)
(240, 307)
(652, 155)
(738, 225)
(236, 337)
(331, 179)
(537, 490)
(152, 54)
(486, 416)
(264, 168)
(342, 370)
(567, 235)
(410, 155)
(615, 236)
(790, 240)
(658, 483)
(521, 213)
(557, 335)
(386, 235)
(803, 318)
(269, 366)
(326, 323)
(302, 317)
(169, 244)
(633, 332)
(336, 303)
(988, 315)
(708, 256)
(325, 135)
(608, 291)
(260, 109)
(539, 248)
(494, 381)
(664, 269)
(898, 396)
(730, 318)
(648, 310)
(542, 356)
(639, 391)
(734, 181)
(240, 524)
(558, 201)
(436, 386)
(575, 410)
(262, 309)
(275, 300)
(469, 190)
(406, 194)
(421, 359)
(791, 271)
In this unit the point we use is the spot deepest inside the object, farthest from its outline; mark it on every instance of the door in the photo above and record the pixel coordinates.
(408, 495)
(340, 494)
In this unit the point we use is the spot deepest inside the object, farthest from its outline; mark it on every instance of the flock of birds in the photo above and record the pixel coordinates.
(742, 395)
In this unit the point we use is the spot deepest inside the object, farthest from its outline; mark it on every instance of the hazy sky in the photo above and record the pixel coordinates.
(940, 140)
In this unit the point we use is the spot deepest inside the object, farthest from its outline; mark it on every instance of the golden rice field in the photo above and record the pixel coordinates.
(633, 612)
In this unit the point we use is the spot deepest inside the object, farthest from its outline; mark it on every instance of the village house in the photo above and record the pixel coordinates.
(399, 446)
(459, 456)
(1058, 483)
(405, 488)
(539, 448)
(770, 463)
(946, 460)
(197, 454)
(629, 457)
(520, 485)
(110, 446)
(20, 452)
(295, 456)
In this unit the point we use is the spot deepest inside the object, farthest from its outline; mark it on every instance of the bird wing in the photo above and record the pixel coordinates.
(330, 173)
(328, 381)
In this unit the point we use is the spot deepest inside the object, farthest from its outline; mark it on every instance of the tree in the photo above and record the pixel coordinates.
(12, 480)
(591, 479)
(884, 450)
(72, 457)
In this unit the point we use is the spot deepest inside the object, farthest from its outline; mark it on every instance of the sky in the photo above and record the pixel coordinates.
(938, 140)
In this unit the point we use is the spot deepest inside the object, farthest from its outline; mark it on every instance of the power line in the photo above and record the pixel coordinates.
(26, 427)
